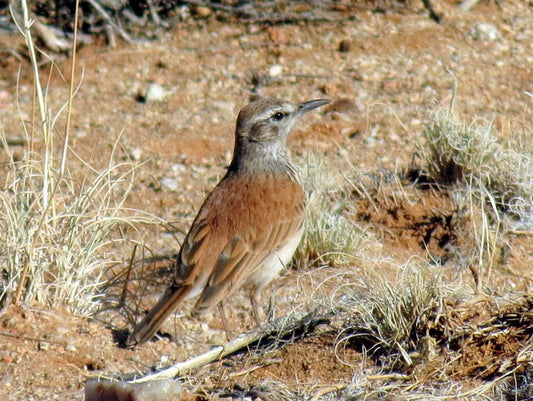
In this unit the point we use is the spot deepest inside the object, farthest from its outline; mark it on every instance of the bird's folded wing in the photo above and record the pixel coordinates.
(240, 258)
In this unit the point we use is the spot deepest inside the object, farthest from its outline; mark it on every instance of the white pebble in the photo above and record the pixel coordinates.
(155, 93)
(170, 184)
(275, 70)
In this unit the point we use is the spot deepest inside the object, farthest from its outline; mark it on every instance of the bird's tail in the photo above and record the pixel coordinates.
(154, 319)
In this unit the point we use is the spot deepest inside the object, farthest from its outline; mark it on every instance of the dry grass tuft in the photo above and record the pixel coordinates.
(455, 152)
(57, 251)
(330, 238)
(59, 216)
(394, 323)
(491, 185)
(423, 338)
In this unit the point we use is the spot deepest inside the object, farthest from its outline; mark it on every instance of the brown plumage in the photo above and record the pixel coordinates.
(249, 225)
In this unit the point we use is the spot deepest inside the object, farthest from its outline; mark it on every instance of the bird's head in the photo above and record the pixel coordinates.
(270, 120)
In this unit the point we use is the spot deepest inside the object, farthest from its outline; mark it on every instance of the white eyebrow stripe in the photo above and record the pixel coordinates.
(269, 113)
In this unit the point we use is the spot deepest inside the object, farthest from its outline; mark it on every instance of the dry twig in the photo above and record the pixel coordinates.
(296, 325)
(109, 20)
(49, 38)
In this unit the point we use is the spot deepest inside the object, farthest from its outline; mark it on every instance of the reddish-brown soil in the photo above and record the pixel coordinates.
(399, 66)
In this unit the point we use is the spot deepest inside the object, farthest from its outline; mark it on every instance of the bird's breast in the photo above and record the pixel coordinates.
(249, 204)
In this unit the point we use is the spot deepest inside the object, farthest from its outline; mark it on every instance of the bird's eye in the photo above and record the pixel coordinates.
(278, 116)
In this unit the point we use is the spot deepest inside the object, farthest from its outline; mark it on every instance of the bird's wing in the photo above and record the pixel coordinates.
(241, 258)
(236, 230)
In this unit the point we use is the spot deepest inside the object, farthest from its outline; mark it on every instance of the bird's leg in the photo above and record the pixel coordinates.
(271, 306)
(254, 298)
(224, 321)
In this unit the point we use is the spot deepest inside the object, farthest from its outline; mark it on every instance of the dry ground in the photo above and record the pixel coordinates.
(397, 68)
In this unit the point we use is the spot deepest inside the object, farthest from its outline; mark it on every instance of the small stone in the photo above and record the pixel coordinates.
(485, 32)
(136, 154)
(178, 168)
(277, 36)
(7, 359)
(44, 346)
(394, 137)
(62, 330)
(345, 45)
(275, 70)
(202, 11)
(155, 93)
(170, 184)
(70, 348)
(113, 4)
(391, 85)
(254, 28)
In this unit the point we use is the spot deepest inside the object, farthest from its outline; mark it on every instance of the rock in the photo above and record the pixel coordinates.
(178, 168)
(277, 36)
(169, 183)
(136, 154)
(484, 31)
(70, 348)
(275, 70)
(345, 45)
(202, 11)
(391, 85)
(44, 346)
(160, 390)
(113, 4)
(155, 93)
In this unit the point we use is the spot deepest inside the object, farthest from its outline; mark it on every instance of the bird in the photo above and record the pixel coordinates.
(249, 225)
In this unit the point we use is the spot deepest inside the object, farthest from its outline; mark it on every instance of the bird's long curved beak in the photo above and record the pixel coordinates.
(308, 106)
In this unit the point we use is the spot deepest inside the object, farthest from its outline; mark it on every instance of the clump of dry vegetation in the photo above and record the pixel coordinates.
(393, 322)
(330, 238)
(471, 154)
(423, 337)
(127, 19)
(490, 183)
(58, 220)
